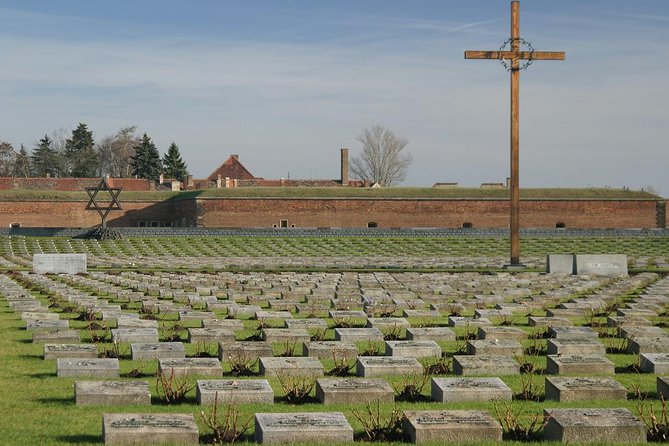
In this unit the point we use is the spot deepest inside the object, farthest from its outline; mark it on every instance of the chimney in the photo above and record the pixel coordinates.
(344, 166)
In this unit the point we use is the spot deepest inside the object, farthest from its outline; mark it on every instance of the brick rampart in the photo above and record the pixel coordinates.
(414, 213)
(73, 184)
(339, 213)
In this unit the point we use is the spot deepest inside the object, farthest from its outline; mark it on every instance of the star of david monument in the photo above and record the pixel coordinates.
(106, 202)
(510, 54)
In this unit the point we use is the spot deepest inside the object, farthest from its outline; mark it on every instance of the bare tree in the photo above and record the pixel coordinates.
(7, 158)
(382, 160)
(116, 151)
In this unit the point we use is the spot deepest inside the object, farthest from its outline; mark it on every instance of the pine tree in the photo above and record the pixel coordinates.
(81, 156)
(173, 164)
(146, 160)
(45, 159)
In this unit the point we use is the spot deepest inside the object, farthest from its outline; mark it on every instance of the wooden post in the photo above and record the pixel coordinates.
(515, 136)
(515, 55)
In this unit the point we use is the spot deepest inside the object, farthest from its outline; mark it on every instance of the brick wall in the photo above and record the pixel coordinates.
(350, 213)
(340, 213)
(72, 214)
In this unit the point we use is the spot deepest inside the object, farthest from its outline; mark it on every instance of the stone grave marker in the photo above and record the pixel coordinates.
(662, 385)
(353, 391)
(56, 337)
(296, 336)
(111, 393)
(462, 321)
(303, 366)
(494, 347)
(302, 427)
(451, 426)
(375, 366)
(656, 344)
(157, 350)
(579, 365)
(430, 333)
(501, 333)
(413, 349)
(97, 368)
(191, 366)
(59, 264)
(47, 324)
(209, 334)
(331, 349)
(485, 365)
(308, 324)
(55, 351)
(540, 321)
(138, 335)
(572, 332)
(583, 388)
(449, 390)
(155, 428)
(358, 334)
(601, 264)
(657, 363)
(560, 264)
(244, 350)
(572, 346)
(234, 391)
(604, 426)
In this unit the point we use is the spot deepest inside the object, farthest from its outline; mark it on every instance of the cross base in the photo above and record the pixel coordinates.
(515, 267)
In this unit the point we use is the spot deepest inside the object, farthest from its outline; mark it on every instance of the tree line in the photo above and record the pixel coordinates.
(383, 158)
(122, 155)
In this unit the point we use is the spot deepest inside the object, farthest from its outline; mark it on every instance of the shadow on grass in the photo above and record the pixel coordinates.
(43, 375)
(65, 401)
(25, 341)
(81, 438)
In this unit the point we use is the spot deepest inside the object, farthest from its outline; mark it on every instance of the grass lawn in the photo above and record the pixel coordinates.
(38, 408)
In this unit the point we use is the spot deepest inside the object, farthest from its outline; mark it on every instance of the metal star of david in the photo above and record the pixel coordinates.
(113, 204)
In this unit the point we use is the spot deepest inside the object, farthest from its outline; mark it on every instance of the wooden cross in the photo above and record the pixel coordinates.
(515, 55)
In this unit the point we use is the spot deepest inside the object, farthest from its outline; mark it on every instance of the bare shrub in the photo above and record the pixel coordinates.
(226, 427)
(377, 427)
(296, 388)
(173, 387)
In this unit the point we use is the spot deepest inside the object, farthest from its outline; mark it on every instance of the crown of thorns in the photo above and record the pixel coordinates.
(506, 46)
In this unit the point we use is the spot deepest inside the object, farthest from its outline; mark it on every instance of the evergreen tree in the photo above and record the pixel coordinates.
(82, 158)
(22, 164)
(173, 164)
(146, 160)
(46, 159)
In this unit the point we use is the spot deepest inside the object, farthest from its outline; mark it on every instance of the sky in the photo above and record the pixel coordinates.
(285, 84)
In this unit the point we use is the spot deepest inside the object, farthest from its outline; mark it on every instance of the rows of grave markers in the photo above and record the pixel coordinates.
(221, 308)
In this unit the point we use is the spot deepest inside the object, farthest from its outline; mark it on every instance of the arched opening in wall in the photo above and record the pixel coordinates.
(560, 225)
(15, 225)
(372, 224)
(467, 224)
(292, 226)
(274, 226)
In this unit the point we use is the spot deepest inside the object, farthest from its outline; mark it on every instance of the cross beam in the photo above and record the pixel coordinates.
(515, 56)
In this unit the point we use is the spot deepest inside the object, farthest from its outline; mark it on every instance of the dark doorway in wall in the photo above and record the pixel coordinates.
(15, 225)
(283, 223)
(467, 224)
(372, 224)
(560, 225)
